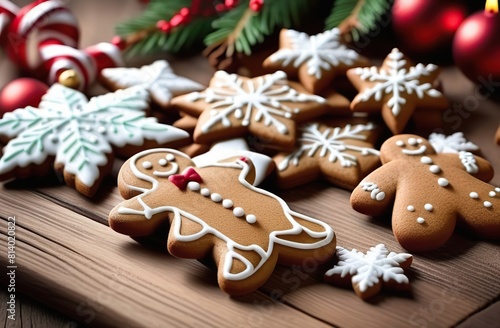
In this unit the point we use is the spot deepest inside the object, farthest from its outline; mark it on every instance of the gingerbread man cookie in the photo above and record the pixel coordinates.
(430, 193)
(215, 211)
(316, 59)
(396, 89)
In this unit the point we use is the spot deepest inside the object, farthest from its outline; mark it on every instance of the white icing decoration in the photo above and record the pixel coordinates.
(374, 190)
(396, 81)
(265, 95)
(420, 220)
(426, 160)
(428, 207)
(205, 192)
(443, 182)
(400, 143)
(227, 203)
(366, 270)
(333, 141)
(170, 157)
(324, 237)
(492, 194)
(147, 165)
(65, 112)
(412, 141)
(410, 208)
(157, 78)
(468, 161)
(163, 162)
(434, 169)
(451, 144)
(418, 151)
(216, 197)
(319, 52)
(474, 195)
(487, 204)
(250, 218)
(193, 185)
(497, 189)
(238, 212)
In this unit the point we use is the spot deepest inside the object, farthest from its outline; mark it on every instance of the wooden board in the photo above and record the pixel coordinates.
(69, 259)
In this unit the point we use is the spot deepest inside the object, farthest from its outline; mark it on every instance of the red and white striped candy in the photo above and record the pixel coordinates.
(8, 12)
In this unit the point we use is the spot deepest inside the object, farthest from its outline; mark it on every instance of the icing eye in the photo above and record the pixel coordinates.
(400, 143)
(170, 157)
(419, 141)
(163, 162)
(147, 165)
(412, 141)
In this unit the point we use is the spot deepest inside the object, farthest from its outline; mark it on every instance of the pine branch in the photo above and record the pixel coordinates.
(356, 17)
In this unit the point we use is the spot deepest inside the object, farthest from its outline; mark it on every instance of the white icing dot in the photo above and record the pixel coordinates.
(497, 189)
(216, 197)
(492, 194)
(426, 160)
(93, 139)
(435, 169)
(163, 162)
(428, 207)
(474, 195)
(170, 157)
(147, 165)
(193, 185)
(238, 212)
(443, 182)
(380, 196)
(251, 218)
(101, 130)
(412, 141)
(487, 204)
(400, 143)
(420, 220)
(227, 203)
(410, 208)
(205, 192)
(419, 140)
(88, 128)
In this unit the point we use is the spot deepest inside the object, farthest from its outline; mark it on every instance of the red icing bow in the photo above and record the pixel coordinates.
(181, 180)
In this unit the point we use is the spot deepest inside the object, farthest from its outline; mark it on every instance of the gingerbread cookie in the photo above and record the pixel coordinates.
(215, 211)
(369, 273)
(451, 144)
(158, 79)
(80, 136)
(316, 59)
(430, 193)
(343, 154)
(396, 89)
(266, 106)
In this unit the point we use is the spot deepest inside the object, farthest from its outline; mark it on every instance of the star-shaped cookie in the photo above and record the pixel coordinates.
(343, 154)
(396, 89)
(158, 79)
(367, 273)
(267, 107)
(215, 211)
(316, 59)
(430, 193)
(80, 136)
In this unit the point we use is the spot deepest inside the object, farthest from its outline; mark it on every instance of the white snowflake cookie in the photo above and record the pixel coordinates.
(367, 273)
(80, 136)
(396, 89)
(315, 59)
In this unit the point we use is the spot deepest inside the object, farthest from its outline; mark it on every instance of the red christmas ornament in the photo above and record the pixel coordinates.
(20, 93)
(476, 47)
(425, 26)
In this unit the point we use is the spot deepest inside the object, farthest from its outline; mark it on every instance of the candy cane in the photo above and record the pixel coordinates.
(8, 12)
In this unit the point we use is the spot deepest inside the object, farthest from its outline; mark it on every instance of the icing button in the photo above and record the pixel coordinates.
(428, 207)
(205, 192)
(487, 204)
(411, 208)
(227, 203)
(443, 182)
(420, 220)
(251, 218)
(216, 197)
(435, 169)
(193, 185)
(474, 195)
(426, 160)
(492, 194)
(238, 212)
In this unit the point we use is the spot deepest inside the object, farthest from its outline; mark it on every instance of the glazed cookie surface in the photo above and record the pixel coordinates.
(215, 211)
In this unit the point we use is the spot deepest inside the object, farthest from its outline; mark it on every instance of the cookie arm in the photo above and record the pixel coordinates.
(377, 191)
(474, 165)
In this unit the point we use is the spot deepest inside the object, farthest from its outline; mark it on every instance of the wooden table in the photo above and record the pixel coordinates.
(68, 259)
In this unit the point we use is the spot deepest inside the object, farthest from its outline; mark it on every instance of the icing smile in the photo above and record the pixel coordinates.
(419, 151)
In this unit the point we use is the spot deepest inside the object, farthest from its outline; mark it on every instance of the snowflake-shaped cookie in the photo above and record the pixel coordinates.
(265, 106)
(430, 193)
(158, 79)
(316, 59)
(215, 211)
(79, 134)
(369, 272)
(396, 89)
(341, 154)
(451, 144)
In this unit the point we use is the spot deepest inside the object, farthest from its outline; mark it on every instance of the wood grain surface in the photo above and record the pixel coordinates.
(68, 259)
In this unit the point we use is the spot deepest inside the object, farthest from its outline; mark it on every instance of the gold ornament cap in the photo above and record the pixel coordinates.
(69, 79)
